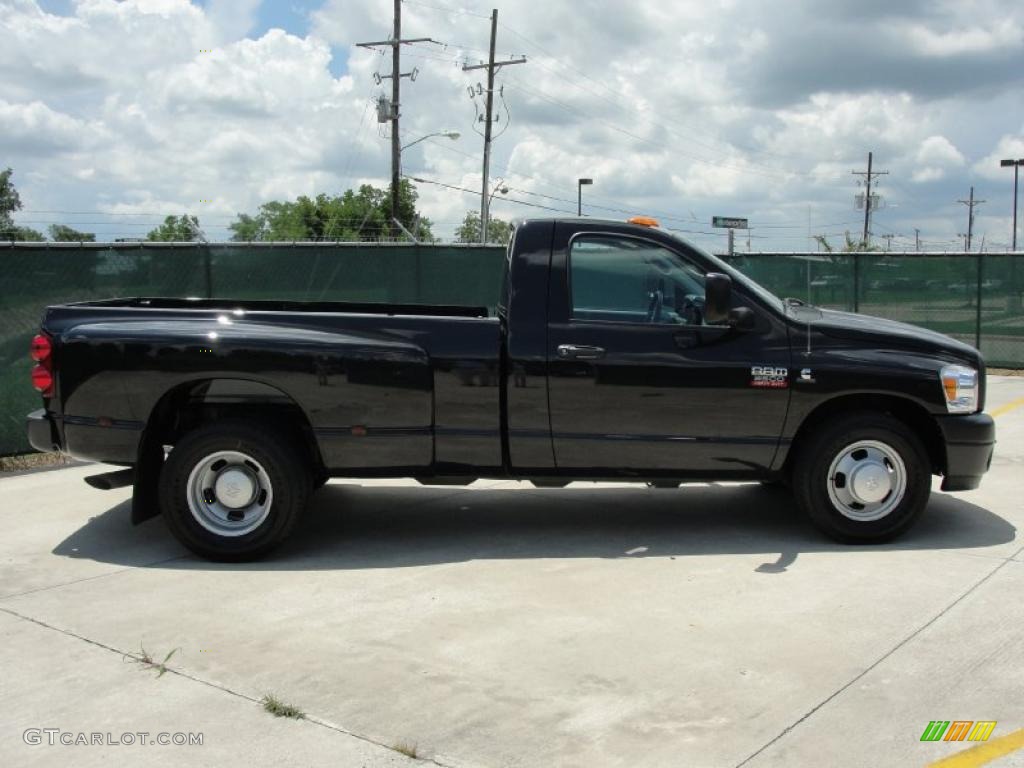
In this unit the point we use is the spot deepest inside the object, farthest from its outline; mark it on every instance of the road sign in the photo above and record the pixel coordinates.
(728, 222)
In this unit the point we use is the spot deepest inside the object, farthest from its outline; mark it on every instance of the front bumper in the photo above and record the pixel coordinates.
(43, 434)
(969, 442)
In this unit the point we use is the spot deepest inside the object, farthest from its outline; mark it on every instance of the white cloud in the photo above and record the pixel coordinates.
(232, 18)
(35, 128)
(938, 150)
(935, 156)
(927, 174)
(1006, 33)
(1009, 147)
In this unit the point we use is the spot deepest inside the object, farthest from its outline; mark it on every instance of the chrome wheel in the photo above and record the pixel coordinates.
(867, 480)
(229, 493)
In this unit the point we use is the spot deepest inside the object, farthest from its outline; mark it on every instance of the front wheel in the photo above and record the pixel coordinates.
(862, 477)
(233, 491)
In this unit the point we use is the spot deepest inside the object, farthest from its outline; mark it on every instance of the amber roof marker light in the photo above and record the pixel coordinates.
(643, 221)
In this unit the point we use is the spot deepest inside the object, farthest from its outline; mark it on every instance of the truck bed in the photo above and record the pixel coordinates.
(414, 388)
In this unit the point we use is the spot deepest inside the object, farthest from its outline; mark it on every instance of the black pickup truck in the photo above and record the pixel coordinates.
(616, 351)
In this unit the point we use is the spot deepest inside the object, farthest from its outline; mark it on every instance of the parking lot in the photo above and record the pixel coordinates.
(500, 625)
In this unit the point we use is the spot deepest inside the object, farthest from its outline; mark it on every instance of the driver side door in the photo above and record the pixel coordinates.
(638, 382)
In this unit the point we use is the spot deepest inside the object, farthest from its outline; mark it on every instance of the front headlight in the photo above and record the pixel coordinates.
(960, 385)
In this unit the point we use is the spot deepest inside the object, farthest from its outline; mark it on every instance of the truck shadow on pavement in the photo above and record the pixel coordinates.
(351, 527)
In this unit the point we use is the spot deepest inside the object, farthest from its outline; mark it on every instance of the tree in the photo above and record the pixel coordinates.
(179, 229)
(360, 215)
(248, 228)
(498, 231)
(9, 199)
(10, 202)
(24, 234)
(61, 233)
(850, 246)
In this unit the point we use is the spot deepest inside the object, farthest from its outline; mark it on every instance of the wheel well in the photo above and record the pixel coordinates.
(200, 402)
(910, 413)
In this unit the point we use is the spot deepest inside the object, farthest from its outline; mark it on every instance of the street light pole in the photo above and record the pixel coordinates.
(453, 135)
(499, 187)
(579, 194)
(1016, 168)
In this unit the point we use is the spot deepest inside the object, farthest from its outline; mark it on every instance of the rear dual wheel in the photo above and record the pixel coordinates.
(863, 477)
(233, 491)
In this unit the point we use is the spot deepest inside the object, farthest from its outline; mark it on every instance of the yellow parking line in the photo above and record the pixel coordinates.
(1007, 408)
(983, 753)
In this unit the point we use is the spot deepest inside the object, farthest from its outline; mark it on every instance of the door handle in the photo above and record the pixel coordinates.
(579, 352)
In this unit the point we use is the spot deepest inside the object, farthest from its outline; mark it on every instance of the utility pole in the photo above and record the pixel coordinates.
(396, 138)
(390, 111)
(868, 178)
(917, 239)
(492, 68)
(970, 203)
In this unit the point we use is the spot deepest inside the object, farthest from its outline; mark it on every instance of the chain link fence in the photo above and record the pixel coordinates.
(974, 298)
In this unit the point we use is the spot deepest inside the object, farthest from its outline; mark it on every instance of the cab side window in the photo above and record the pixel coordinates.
(630, 280)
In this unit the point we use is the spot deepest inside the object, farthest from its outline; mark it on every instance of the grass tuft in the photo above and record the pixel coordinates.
(278, 708)
(409, 750)
(145, 658)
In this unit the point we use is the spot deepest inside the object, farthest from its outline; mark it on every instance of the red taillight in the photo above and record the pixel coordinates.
(41, 348)
(42, 380)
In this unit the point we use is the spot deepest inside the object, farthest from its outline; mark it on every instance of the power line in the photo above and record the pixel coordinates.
(478, 192)
(452, 11)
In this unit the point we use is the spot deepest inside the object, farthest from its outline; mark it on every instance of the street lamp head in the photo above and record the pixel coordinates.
(1011, 163)
(586, 181)
(503, 190)
(453, 135)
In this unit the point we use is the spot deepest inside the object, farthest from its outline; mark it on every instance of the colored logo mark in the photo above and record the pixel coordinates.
(958, 730)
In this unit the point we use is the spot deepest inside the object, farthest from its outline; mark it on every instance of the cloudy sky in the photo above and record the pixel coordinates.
(115, 113)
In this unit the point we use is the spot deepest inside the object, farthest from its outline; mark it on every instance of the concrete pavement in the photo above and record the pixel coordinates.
(501, 626)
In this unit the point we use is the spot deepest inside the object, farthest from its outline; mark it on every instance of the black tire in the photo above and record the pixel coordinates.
(270, 451)
(814, 489)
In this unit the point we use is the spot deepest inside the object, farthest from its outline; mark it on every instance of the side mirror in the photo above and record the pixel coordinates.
(742, 319)
(717, 298)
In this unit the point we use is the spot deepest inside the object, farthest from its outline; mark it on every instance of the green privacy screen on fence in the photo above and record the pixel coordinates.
(974, 298)
(33, 277)
(939, 291)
